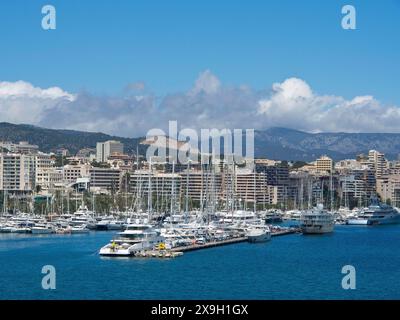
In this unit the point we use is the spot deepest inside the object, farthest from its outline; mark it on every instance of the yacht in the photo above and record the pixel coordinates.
(174, 219)
(255, 235)
(376, 213)
(317, 221)
(240, 218)
(42, 228)
(273, 216)
(136, 237)
(102, 225)
(79, 229)
(8, 228)
(116, 225)
(83, 216)
(293, 215)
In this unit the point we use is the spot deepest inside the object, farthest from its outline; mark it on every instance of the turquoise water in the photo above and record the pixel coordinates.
(288, 267)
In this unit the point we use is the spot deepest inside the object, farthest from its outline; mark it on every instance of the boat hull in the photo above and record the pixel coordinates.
(41, 231)
(260, 238)
(357, 222)
(375, 221)
(317, 229)
(117, 227)
(116, 253)
(273, 220)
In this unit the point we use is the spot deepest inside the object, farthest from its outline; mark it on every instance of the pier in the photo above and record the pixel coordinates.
(178, 251)
(209, 244)
(285, 232)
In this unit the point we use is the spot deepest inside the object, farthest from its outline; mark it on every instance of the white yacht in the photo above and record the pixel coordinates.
(292, 215)
(240, 218)
(174, 219)
(83, 216)
(255, 235)
(317, 221)
(79, 229)
(136, 237)
(42, 228)
(377, 213)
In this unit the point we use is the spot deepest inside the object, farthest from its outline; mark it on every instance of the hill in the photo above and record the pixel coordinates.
(273, 143)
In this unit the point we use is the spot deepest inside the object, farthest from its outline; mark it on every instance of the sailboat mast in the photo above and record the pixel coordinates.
(149, 198)
(331, 188)
(254, 190)
(172, 209)
(187, 193)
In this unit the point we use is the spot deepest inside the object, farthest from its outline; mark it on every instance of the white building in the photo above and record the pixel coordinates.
(17, 172)
(105, 149)
(49, 179)
(377, 161)
(74, 172)
(22, 147)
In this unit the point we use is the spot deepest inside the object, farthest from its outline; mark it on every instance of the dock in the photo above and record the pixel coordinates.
(178, 251)
(284, 232)
(209, 244)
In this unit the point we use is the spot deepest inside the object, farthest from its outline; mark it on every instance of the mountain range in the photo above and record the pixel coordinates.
(273, 143)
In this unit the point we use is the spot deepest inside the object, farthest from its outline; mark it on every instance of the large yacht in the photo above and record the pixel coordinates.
(317, 221)
(136, 237)
(240, 218)
(83, 216)
(376, 213)
(260, 234)
(42, 228)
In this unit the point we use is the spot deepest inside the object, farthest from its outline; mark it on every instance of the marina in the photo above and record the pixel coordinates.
(139, 235)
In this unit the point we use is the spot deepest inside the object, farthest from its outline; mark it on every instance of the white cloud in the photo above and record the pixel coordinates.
(207, 83)
(209, 104)
(21, 89)
(21, 102)
(293, 104)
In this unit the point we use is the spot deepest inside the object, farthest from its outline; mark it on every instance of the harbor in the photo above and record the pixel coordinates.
(142, 235)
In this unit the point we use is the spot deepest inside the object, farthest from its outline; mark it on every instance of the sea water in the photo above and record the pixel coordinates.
(288, 267)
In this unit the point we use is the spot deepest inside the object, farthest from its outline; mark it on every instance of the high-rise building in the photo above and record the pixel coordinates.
(17, 172)
(107, 179)
(107, 148)
(324, 163)
(377, 162)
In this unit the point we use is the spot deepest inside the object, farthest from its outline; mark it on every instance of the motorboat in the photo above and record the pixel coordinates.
(376, 214)
(317, 221)
(255, 235)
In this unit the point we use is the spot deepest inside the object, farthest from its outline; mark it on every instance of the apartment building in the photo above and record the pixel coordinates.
(108, 148)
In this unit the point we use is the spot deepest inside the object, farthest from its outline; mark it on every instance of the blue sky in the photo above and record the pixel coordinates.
(293, 56)
(101, 46)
